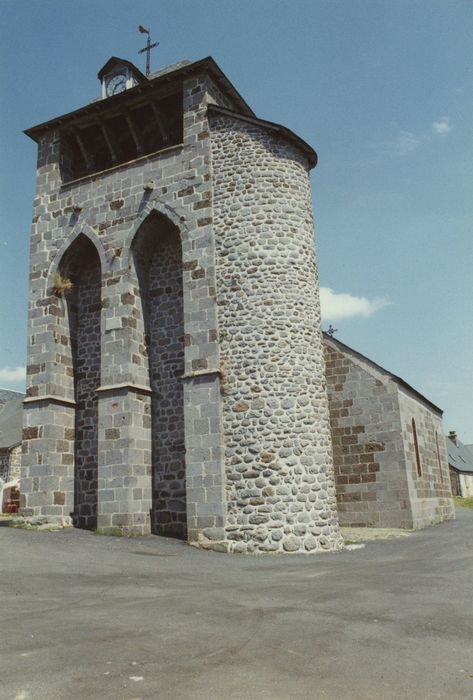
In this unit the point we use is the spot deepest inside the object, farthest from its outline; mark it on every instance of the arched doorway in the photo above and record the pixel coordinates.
(157, 258)
(79, 282)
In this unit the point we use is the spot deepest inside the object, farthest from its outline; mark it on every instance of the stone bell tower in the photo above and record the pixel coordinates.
(175, 364)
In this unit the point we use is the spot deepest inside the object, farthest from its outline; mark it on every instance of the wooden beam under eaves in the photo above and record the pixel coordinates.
(83, 150)
(108, 141)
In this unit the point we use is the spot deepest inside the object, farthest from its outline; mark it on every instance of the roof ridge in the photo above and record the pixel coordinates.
(398, 380)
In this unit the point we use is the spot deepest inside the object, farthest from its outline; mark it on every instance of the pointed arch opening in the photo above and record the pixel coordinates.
(80, 268)
(157, 261)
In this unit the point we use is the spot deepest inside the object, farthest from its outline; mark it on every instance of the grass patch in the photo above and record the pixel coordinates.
(21, 526)
(463, 502)
(47, 527)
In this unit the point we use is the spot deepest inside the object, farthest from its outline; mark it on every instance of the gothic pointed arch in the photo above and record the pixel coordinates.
(156, 208)
(82, 229)
(78, 348)
(156, 266)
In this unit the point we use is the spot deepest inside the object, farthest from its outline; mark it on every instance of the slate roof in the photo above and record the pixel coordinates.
(11, 417)
(114, 60)
(8, 395)
(162, 78)
(460, 456)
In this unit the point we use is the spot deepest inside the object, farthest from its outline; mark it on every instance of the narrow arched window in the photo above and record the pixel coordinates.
(438, 455)
(416, 448)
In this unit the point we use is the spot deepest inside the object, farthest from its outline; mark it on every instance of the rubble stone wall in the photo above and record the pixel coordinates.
(279, 477)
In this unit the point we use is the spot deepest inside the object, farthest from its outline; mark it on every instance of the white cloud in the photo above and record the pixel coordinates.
(443, 126)
(341, 305)
(406, 142)
(12, 375)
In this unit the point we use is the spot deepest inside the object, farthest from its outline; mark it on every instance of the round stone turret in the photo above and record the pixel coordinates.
(278, 458)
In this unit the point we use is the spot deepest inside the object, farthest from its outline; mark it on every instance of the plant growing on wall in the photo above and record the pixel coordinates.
(62, 285)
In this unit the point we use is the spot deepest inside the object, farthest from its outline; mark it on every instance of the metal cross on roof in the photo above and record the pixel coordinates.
(147, 48)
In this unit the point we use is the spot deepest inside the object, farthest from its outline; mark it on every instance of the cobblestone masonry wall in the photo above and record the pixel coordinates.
(368, 451)
(430, 493)
(279, 478)
(109, 209)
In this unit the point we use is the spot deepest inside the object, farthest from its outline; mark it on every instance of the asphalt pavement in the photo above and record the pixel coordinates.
(87, 616)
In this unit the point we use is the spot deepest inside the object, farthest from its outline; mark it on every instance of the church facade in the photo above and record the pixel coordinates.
(389, 451)
(175, 361)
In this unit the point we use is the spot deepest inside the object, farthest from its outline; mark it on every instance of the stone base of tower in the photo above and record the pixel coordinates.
(47, 474)
(124, 500)
(128, 527)
(260, 543)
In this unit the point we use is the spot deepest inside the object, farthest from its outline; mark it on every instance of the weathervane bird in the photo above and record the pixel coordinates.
(147, 48)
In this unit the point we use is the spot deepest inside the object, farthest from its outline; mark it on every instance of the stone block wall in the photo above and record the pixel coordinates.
(376, 471)
(158, 261)
(81, 343)
(108, 209)
(15, 462)
(47, 460)
(368, 451)
(278, 464)
(428, 481)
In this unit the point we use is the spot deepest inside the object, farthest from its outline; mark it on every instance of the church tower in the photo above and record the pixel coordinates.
(175, 363)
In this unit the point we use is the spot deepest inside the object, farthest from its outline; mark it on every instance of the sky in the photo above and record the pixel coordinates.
(382, 89)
